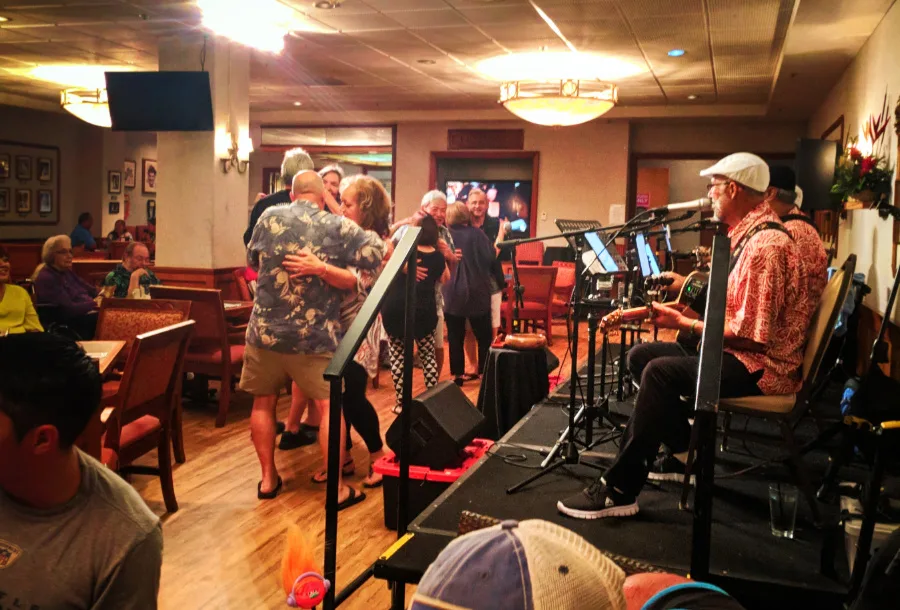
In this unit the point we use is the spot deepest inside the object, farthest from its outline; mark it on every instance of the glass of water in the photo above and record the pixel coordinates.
(783, 509)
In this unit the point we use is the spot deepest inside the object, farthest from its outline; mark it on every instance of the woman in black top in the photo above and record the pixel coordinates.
(432, 268)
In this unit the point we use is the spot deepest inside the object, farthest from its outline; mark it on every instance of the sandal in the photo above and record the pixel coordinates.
(471, 377)
(355, 497)
(368, 485)
(268, 495)
(348, 469)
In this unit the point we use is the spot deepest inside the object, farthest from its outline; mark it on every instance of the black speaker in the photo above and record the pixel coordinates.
(443, 422)
(816, 160)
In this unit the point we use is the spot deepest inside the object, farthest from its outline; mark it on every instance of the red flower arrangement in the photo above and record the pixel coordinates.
(865, 177)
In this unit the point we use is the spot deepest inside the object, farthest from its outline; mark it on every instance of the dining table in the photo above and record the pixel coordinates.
(238, 310)
(105, 354)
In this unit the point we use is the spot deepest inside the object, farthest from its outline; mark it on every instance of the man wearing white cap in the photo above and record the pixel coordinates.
(766, 319)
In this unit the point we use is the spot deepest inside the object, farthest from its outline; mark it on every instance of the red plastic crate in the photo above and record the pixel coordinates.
(389, 466)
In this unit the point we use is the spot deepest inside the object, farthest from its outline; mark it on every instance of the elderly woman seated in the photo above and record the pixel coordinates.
(17, 314)
(56, 285)
(131, 277)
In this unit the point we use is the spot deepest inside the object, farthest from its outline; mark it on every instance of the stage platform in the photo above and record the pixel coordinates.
(760, 570)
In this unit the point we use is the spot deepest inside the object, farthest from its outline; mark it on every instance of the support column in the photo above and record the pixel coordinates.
(201, 211)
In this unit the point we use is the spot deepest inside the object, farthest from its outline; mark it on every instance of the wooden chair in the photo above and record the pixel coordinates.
(124, 320)
(243, 288)
(140, 420)
(786, 410)
(562, 290)
(116, 249)
(537, 298)
(531, 253)
(210, 352)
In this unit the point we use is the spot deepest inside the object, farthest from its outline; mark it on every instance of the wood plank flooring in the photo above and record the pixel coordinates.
(223, 547)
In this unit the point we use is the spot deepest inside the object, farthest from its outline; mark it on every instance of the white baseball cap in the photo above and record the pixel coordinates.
(744, 168)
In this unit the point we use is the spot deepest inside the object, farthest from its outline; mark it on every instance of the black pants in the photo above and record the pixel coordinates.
(358, 411)
(667, 372)
(456, 337)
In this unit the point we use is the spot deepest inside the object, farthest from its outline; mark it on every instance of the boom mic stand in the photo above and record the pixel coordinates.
(567, 438)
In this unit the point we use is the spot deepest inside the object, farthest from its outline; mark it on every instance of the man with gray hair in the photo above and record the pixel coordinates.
(295, 161)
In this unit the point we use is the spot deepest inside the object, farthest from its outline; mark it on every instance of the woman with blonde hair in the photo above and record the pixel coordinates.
(56, 284)
(364, 201)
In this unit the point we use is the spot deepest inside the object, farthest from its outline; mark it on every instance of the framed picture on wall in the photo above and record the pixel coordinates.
(45, 169)
(114, 182)
(45, 202)
(23, 201)
(23, 167)
(130, 174)
(4, 201)
(151, 211)
(4, 167)
(113, 207)
(148, 169)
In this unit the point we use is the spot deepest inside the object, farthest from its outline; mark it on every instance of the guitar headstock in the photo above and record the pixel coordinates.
(611, 321)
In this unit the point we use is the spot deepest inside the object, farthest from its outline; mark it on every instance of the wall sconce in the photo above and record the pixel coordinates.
(234, 154)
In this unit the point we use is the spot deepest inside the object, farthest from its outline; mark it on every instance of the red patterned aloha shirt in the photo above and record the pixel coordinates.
(767, 303)
(813, 259)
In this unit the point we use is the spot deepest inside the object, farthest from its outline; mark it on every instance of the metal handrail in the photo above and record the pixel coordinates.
(404, 255)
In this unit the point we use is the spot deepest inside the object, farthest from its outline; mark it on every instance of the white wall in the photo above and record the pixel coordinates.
(685, 184)
(117, 148)
(859, 93)
(80, 149)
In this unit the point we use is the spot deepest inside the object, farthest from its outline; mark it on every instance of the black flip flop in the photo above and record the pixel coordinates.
(279, 428)
(471, 377)
(355, 497)
(269, 495)
(373, 485)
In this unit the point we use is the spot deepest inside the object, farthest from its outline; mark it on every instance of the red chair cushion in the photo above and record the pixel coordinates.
(138, 429)
(109, 458)
(215, 357)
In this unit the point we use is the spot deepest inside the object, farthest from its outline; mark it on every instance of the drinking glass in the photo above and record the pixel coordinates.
(783, 509)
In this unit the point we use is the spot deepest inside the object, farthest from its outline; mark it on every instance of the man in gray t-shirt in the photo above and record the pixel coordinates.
(73, 535)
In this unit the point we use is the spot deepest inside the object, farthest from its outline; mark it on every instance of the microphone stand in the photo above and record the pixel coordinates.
(567, 438)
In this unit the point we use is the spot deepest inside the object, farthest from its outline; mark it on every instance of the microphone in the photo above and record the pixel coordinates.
(704, 203)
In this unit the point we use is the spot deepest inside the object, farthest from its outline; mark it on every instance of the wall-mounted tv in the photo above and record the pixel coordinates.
(160, 101)
(507, 199)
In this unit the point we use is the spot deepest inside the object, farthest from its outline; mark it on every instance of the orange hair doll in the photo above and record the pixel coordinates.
(303, 583)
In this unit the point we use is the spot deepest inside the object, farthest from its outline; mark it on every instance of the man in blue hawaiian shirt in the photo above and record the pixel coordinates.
(295, 325)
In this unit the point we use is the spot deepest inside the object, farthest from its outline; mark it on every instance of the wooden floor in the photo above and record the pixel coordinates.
(223, 547)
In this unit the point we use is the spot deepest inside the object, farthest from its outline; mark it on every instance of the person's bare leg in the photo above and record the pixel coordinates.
(471, 348)
(262, 433)
(298, 407)
(343, 490)
(374, 478)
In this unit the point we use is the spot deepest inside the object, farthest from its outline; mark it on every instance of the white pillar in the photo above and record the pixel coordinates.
(201, 211)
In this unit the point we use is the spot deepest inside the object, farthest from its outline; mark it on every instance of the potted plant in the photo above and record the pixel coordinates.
(863, 175)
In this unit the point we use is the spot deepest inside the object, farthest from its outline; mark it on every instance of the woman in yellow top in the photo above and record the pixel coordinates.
(17, 314)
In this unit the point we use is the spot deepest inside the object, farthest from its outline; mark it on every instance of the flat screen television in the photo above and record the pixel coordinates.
(160, 101)
(507, 199)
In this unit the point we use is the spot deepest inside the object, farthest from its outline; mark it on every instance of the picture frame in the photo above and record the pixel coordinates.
(4, 167)
(4, 201)
(151, 211)
(114, 207)
(45, 202)
(23, 201)
(44, 169)
(23, 167)
(114, 182)
(148, 173)
(129, 177)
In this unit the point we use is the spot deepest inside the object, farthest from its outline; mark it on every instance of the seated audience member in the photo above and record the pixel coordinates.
(431, 269)
(17, 313)
(526, 564)
(467, 295)
(73, 534)
(81, 234)
(132, 273)
(56, 284)
(120, 233)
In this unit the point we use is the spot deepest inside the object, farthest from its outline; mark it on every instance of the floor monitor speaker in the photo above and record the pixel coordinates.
(443, 422)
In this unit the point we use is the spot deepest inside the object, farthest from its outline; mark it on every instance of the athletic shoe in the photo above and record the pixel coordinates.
(668, 468)
(294, 440)
(598, 502)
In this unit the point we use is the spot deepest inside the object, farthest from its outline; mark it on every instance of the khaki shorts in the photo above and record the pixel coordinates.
(265, 372)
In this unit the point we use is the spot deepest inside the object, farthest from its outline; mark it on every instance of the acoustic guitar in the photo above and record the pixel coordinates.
(692, 288)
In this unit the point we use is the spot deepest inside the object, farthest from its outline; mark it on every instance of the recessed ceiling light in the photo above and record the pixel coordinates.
(426, 62)
(298, 103)
(326, 4)
(676, 52)
(693, 96)
(4, 19)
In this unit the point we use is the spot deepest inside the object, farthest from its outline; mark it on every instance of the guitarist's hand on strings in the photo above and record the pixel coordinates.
(664, 316)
